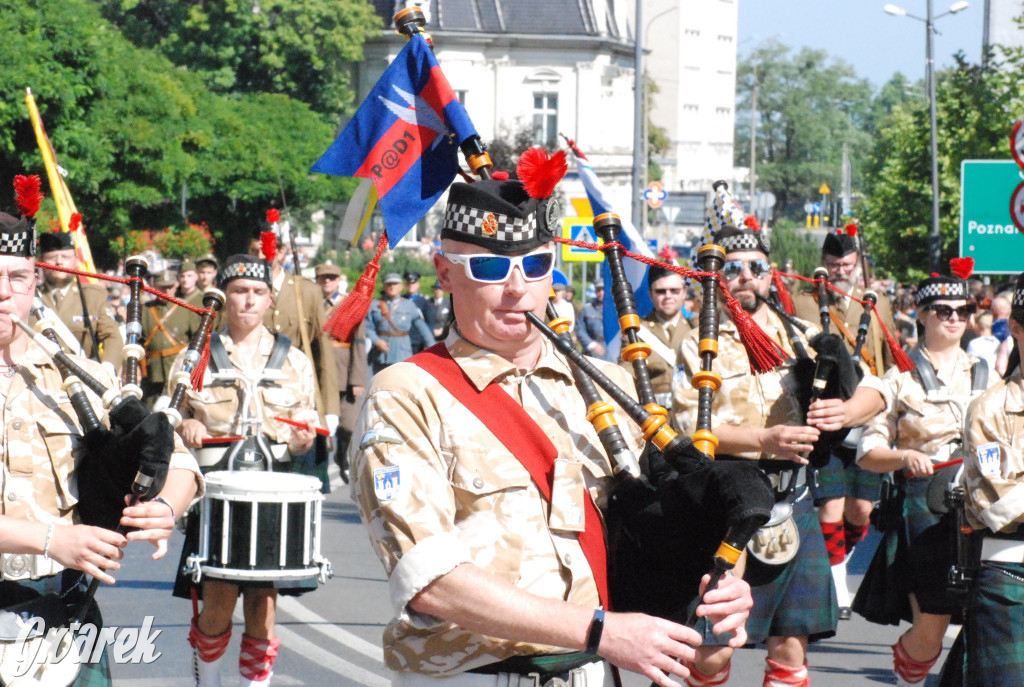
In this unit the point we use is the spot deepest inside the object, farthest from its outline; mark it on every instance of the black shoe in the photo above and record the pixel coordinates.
(845, 613)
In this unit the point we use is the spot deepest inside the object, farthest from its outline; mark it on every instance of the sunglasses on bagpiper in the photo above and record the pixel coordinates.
(489, 268)
(944, 312)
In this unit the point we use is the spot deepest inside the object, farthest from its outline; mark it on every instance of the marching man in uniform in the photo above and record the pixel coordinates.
(490, 581)
(664, 329)
(389, 324)
(249, 349)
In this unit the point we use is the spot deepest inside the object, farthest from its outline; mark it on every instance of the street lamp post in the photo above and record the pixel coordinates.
(934, 241)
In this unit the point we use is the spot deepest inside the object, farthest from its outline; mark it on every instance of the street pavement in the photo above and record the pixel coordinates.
(332, 636)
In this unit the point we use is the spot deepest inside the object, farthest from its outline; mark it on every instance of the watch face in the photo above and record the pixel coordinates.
(552, 214)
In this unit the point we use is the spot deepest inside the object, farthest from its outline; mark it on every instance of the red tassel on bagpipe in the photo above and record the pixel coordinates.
(763, 354)
(199, 371)
(784, 298)
(353, 309)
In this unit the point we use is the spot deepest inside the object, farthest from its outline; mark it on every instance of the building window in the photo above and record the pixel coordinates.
(545, 119)
(691, 32)
(461, 95)
(690, 107)
(722, 38)
(723, 111)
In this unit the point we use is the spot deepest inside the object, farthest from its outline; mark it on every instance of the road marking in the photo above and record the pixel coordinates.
(294, 608)
(321, 657)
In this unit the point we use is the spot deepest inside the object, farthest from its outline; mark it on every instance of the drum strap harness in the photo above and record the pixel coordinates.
(524, 439)
(219, 359)
(930, 381)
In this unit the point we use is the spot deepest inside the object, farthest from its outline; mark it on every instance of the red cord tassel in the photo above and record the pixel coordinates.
(784, 298)
(763, 354)
(903, 361)
(353, 309)
(199, 371)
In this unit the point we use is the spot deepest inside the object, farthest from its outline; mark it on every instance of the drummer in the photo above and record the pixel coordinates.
(252, 351)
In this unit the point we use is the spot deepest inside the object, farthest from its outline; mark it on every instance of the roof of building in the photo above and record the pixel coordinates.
(539, 17)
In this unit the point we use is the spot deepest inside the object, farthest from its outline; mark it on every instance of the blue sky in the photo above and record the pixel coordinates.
(859, 32)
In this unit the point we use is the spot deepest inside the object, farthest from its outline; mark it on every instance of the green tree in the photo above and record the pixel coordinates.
(300, 48)
(789, 244)
(808, 107)
(974, 108)
(131, 129)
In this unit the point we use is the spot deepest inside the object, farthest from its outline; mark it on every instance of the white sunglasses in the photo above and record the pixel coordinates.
(489, 268)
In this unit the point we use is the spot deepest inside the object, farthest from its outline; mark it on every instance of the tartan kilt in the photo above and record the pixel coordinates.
(793, 600)
(930, 552)
(837, 480)
(995, 625)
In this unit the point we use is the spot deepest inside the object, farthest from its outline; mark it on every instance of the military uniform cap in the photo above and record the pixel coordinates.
(839, 243)
(187, 266)
(1017, 304)
(244, 267)
(327, 269)
(165, 278)
(16, 235)
(392, 278)
(939, 287)
(412, 276)
(502, 215)
(735, 239)
(55, 240)
(208, 258)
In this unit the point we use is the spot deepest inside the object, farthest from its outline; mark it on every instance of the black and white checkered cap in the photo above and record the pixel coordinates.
(499, 216)
(941, 288)
(1018, 293)
(245, 267)
(735, 239)
(17, 235)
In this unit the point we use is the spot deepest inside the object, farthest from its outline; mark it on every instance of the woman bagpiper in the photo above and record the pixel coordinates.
(922, 426)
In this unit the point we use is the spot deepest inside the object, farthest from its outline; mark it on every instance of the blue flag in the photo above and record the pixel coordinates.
(405, 138)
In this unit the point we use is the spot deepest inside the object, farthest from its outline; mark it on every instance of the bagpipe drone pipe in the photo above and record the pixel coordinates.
(685, 514)
(132, 455)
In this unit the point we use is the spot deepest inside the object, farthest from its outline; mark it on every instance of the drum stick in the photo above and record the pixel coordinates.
(939, 466)
(214, 441)
(302, 425)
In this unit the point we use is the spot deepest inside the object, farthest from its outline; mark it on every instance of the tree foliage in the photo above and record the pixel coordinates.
(975, 108)
(807, 108)
(296, 47)
(132, 130)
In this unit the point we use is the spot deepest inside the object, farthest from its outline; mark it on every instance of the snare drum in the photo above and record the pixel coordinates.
(260, 526)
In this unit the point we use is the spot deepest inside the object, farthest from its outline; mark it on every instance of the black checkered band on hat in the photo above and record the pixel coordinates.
(1018, 299)
(944, 289)
(744, 242)
(16, 243)
(488, 224)
(245, 267)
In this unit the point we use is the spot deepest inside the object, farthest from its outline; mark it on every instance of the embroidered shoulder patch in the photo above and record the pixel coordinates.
(386, 482)
(380, 433)
(988, 458)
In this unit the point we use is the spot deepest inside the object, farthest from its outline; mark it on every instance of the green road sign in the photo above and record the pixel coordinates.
(987, 231)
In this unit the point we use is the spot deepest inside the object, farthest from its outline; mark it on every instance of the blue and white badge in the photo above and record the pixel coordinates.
(386, 482)
(988, 458)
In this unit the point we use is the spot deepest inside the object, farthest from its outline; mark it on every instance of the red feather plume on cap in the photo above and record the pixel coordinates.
(27, 194)
(540, 172)
(851, 229)
(268, 244)
(75, 221)
(273, 216)
(962, 267)
(751, 222)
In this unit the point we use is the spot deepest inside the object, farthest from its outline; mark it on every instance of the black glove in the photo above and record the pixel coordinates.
(138, 441)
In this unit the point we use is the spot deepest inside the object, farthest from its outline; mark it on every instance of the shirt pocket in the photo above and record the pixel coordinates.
(495, 510)
(281, 399)
(60, 438)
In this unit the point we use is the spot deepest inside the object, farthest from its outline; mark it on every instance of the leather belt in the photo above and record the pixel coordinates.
(341, 344)
(165, 352)
(392, 333)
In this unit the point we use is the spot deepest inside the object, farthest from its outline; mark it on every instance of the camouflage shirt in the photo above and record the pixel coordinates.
(216, 406)
(41, 436)
(994, 457)
(913, 419)
(745, 399)
(436, 489)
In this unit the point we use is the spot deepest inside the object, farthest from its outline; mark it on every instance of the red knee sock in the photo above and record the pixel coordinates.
(699, 679)
(257, 657)
(209, 648)
(909, 669)
(835, 541)
(779, 675)
(854, 533)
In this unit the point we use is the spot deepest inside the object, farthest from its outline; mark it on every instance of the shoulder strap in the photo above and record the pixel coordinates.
(279, 353)
(524, 439)
(925, 371)
(979, 376)
(219, 359)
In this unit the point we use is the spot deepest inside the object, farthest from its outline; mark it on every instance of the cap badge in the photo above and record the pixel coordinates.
(490, 225)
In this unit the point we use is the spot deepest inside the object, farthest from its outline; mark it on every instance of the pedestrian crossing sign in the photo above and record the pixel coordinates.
(580, 229)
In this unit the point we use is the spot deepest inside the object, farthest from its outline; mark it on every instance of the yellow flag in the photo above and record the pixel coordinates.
(66, 210)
